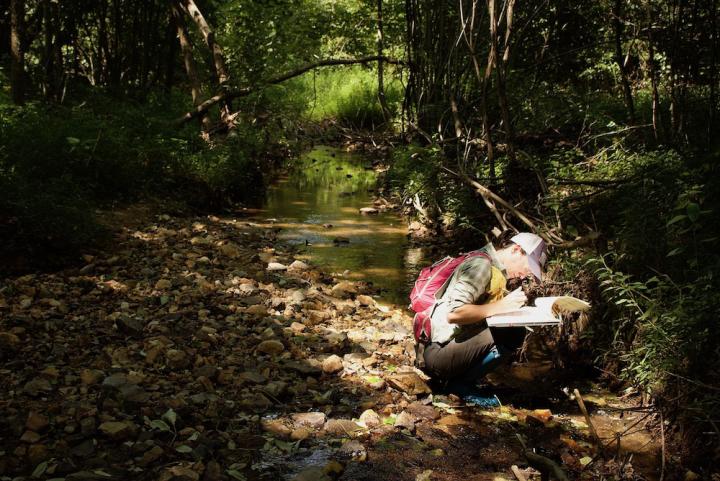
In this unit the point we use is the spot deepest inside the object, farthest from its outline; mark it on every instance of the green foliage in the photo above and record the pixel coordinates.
(349, 95)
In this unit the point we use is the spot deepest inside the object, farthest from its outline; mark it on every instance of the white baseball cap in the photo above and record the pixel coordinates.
(535, 250)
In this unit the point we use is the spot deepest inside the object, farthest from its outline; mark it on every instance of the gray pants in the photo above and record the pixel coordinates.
(468, 358)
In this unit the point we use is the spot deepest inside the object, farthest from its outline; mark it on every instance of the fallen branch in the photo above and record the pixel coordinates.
(518, 474)
(233, 94)
(591, 426)
(546, 466)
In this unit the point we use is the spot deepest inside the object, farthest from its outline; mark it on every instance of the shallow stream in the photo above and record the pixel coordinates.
(317, 204)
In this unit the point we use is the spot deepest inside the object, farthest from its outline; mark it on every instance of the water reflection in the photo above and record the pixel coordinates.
(327, 186)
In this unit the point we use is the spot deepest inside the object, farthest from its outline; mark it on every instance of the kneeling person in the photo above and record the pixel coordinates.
(462, 349)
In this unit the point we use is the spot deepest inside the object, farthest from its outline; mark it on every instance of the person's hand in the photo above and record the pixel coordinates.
(512, 302)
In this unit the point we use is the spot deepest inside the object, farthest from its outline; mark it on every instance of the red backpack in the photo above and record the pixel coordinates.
(430, 280)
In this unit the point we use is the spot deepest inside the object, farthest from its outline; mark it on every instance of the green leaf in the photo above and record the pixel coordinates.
(72, 140)
(693, 211)
(235, 474)
(170, 416)
(40, 469)
(159, 424)
(675, 219)
(676, 251)
(184, 449)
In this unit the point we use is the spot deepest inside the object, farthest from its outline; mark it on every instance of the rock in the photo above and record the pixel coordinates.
(370, 418)
(354, 450)
(276, 266)
(37, 386)
(364, 300)
(115, 380)
(9, 341)
(90, 377)
(356, 357)
(276, 388)
(118, 430)
(88, 426)
(272, 347)
(369, 211)
(332, 364)
(131, 326)
(297, 327)
(341, 427)
(423, 411)
(37, 422)
(405, 420)
(304, 368)
(343, 289)
(298, 266)
(207, 370)
(176, 359)
(178, 473)
(334, 468)
(409, 383)
(150, 456)
(300, 434)
(230, 250)
(276, 427)
(30, 437)
(314, 473)
(252, 377)
(163, 284)
(37, 453)
(315, 420)
(540, 416)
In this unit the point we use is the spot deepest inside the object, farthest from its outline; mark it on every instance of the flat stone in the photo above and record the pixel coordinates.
(364, 300)
(37, 386)
(304, 368)
(30, 437)
(178, 473)
(90, 377)
(276, 266)
(423, 411)
(271, 346)
(118, 430)
(253, 377)
(354, 450)
(315, 420)
(297, 327)
(151, 455)
(369, 211)
(298, 266)
(343, 289)
(276, 427)
(314, 473)
(341, 427)
(409, 383)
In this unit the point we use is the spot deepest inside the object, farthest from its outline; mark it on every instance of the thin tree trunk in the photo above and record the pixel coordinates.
(501, 73)
(190, 67)
(381, 86)
(17, 60)
(712, 101)
(653, 75)
(619, 59)
(492, 54)
(218, 58)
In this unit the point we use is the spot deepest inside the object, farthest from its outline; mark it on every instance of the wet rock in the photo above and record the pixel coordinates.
(304, 368)
(252, 377)
(297, 327)
(230, 250)
(341, 427)
(332, 364)
(354, 450)
(405, 420)
(118, 430)
(130, 326)
(369, 211)
(370, 418)
(84, 449)
(37, 422)
(314, 473)
(271, 346)
(314, 420)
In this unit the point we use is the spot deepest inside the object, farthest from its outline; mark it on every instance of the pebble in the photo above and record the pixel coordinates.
(37, 422)
(118, 430)
(405, 420)
(370, 418)
(332, 364)
(271, 346)
(315, 420)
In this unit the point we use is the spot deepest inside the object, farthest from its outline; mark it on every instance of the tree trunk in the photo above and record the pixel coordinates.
(501, 73)
(652, 66)
(492, 55)
(190, 67)
(218, 59)
(17, 60)
(381, 86)
(712, 101)
(619, 59)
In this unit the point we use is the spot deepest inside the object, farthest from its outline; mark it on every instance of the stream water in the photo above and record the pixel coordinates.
(317, 204)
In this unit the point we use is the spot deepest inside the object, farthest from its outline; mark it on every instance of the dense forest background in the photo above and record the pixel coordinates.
(591, 122)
